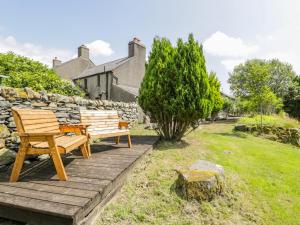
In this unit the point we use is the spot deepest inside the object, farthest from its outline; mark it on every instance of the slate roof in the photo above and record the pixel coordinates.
(109, 66)
(131, 90)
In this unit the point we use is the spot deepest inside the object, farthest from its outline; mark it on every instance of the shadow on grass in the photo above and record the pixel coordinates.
(234, 134)
(231, 121)
(162, 145)
(175, 188)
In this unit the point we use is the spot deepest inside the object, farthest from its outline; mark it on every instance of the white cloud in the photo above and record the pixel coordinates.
(100, 48)
(277, 44)
(35, 52)
(220, 44)
(45, 55)
(231, 63)
(283, 46)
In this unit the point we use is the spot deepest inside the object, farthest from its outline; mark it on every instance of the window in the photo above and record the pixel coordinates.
(85, 84)
(98, 80)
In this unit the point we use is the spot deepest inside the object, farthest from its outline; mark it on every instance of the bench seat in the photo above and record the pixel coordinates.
(108, 133)
(65, 144)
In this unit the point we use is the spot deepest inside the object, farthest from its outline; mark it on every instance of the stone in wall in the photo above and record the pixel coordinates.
(7, 156)
(4, 131)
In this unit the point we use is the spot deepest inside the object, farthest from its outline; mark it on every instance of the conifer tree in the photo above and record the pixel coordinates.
(175, 92)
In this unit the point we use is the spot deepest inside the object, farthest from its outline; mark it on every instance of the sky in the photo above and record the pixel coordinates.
(231, 31)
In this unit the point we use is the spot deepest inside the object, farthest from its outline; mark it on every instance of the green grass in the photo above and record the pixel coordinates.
(262, 176)
(272, 120)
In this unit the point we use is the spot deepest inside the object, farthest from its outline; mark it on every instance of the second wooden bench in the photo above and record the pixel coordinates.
(105, 123)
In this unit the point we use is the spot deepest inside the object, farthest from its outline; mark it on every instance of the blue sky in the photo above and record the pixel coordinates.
(231, 31)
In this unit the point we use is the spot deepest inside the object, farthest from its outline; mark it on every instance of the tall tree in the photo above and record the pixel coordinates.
(292, 99)
(175, 92)
(216, 97)
(255, 82)
(280, 76)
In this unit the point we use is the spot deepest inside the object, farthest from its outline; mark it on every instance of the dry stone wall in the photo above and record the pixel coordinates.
(280, 134)
(66, 109)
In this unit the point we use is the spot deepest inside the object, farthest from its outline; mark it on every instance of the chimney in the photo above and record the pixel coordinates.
(83, 52)
(133, 46)
(55, 62)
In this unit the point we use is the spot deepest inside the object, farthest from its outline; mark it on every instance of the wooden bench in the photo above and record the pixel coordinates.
(40, 133)
(105, 123)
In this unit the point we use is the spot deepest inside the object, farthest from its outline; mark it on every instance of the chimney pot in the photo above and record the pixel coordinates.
(135, 39)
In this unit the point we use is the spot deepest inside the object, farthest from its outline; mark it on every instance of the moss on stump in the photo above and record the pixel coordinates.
(201, 184)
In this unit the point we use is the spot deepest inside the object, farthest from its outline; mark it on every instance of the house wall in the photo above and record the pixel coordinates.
(94, 91)
(73, 68)
(120, 95)
(132, 72)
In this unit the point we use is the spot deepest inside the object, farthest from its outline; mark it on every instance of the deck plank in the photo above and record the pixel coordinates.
(54, 189)
(40, 198)
(36, 205)
(40, 195)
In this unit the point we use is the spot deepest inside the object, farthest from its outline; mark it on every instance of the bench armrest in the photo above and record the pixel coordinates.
(74, 128)
(123, 123)
(80, 125)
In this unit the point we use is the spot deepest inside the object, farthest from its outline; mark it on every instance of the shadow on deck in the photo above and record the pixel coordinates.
(39, 198)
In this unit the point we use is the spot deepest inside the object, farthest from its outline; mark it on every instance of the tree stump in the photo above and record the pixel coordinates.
(203, 181)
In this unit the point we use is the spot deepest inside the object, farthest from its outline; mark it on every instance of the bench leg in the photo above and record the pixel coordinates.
(89, 148)
(118, 140)
(129, 141)
(60, 169)
(88, 145)
(18, 164)
(84, 151)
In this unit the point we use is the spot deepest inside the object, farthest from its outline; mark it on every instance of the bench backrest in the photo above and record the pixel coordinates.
(100, 120)
(35, 121)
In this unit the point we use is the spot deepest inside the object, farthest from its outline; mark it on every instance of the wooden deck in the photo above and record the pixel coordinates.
(40, 199)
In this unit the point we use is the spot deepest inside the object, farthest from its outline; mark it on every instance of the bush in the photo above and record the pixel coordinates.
(175, 92)
(217, 99)
(24, 72)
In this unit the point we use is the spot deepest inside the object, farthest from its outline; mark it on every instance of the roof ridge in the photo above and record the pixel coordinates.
(111, 65)
(71, 60)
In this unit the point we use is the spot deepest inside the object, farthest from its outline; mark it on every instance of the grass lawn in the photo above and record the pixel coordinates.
(263, 182)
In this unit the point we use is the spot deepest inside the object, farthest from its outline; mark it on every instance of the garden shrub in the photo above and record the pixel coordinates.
(175, 92)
